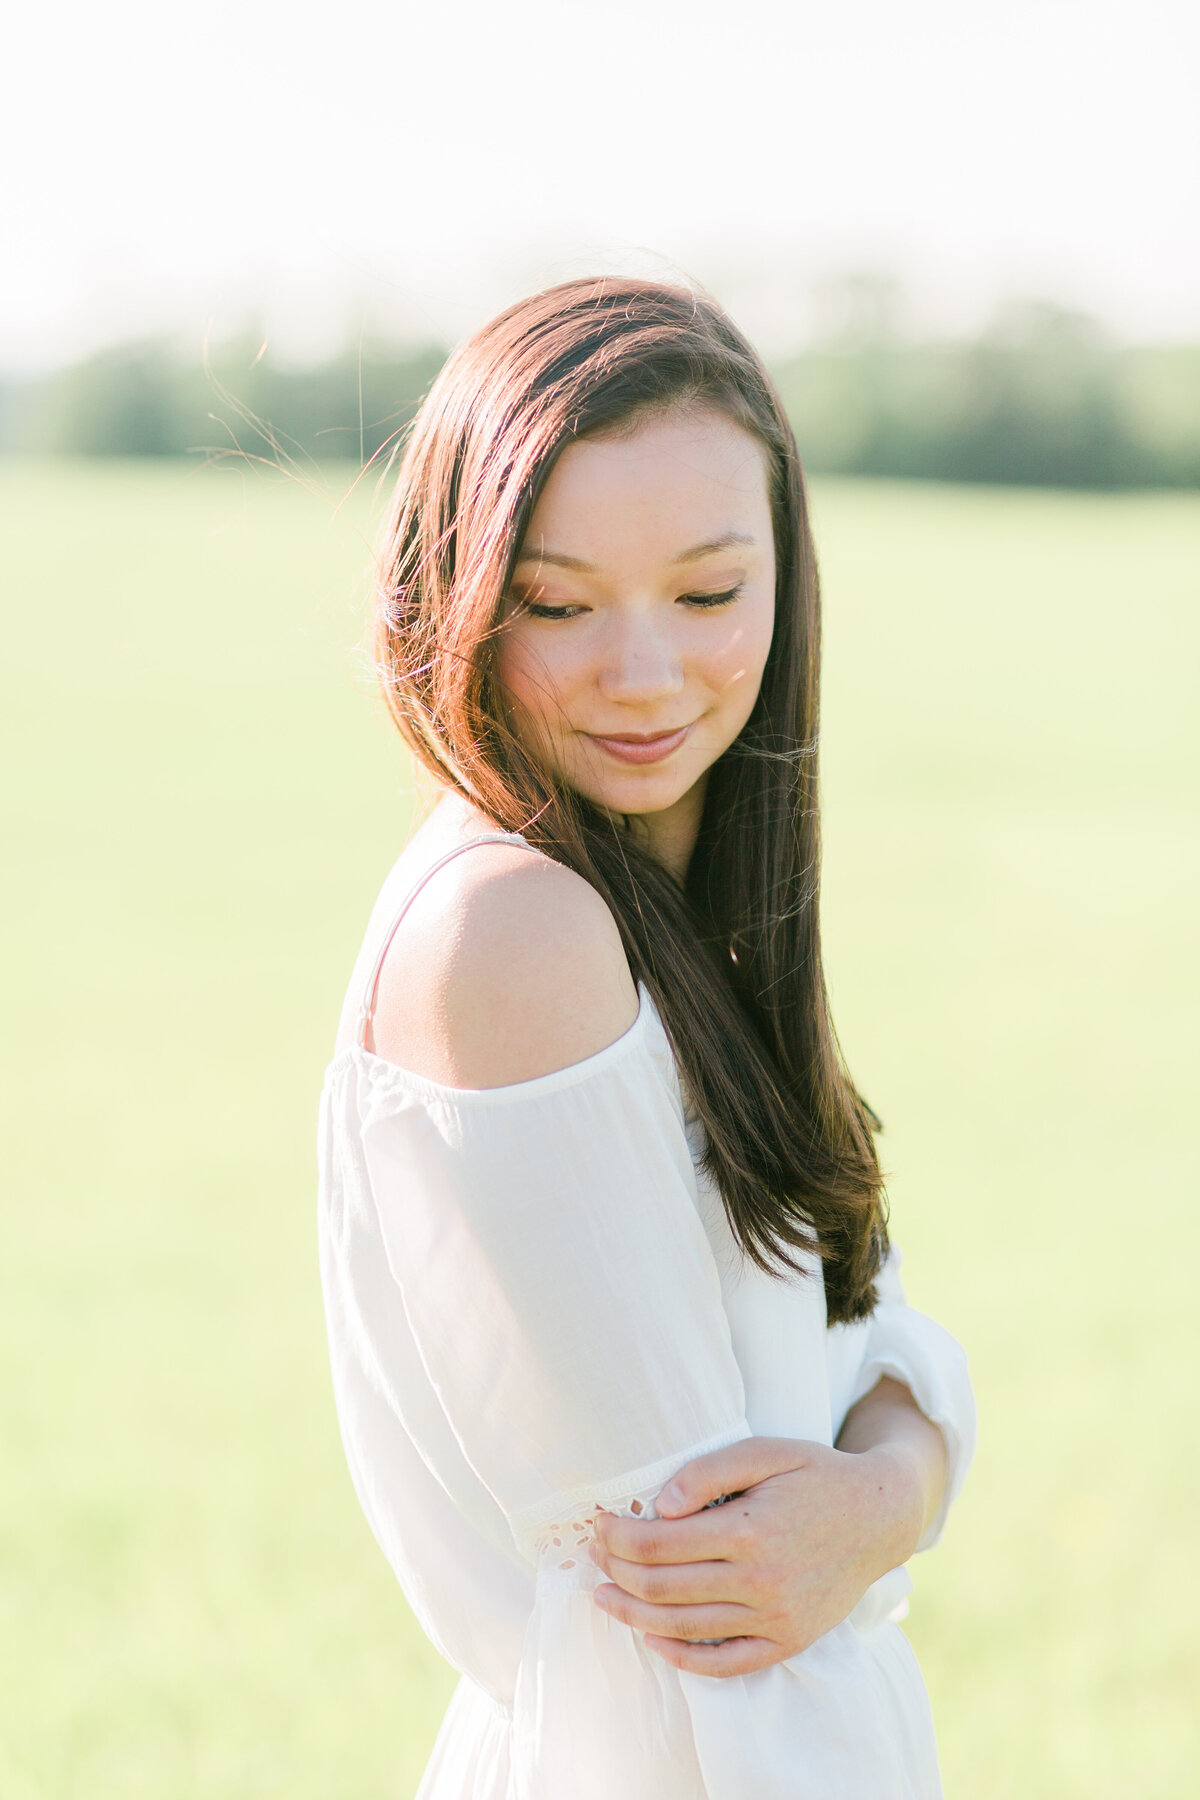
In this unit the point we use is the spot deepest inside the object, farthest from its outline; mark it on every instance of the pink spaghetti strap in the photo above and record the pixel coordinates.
(490, 837)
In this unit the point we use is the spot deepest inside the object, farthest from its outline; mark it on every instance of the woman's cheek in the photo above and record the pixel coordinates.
(535, 691)
(523, 675)
(734, 672)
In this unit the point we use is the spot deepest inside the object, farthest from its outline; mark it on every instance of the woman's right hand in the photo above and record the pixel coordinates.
(807, 1531)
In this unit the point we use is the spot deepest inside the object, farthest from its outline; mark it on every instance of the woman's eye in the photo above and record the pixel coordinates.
(721, 599)
(535, 610)
(539, 609)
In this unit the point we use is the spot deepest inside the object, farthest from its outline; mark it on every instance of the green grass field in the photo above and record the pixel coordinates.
(203, 799)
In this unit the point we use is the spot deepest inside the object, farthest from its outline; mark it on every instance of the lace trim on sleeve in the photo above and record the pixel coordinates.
(560, 1548)
(571, 1512)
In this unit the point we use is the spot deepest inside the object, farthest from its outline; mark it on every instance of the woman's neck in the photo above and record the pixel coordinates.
(671, 835)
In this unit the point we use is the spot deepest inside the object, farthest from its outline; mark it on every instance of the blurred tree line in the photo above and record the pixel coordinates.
(1041, 397)
(146, 399)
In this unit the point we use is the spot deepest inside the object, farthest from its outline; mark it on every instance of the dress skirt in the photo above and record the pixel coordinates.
(471, 1758)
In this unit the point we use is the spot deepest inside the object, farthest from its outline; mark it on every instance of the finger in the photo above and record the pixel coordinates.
(664, 1540)
(736, 1656)
(729, 1471)
(674, 1584)
(687, 1622)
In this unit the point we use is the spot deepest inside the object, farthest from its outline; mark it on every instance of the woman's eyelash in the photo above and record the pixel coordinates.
(721, 599)
(534, 610)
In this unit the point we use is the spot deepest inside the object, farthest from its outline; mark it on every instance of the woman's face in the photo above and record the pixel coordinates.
(641, 610)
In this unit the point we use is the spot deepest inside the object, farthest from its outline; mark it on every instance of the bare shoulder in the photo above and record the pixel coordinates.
(506, 966)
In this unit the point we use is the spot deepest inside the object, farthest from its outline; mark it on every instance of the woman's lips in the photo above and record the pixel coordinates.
(634, 748)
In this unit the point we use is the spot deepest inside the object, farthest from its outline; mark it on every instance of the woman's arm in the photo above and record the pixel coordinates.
(818, 1525)
(889, 1424)
(807, 1531)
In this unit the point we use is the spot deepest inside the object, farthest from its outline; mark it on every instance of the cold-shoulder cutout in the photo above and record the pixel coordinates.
(505, 967)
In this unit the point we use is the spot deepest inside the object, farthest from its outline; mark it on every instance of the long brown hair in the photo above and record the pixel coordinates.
(732, 959)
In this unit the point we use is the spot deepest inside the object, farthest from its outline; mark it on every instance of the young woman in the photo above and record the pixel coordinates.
(628, 1385)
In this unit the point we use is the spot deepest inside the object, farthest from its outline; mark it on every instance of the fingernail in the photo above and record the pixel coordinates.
(670, 1496)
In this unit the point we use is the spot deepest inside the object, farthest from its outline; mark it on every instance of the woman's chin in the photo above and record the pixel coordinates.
(651, 791)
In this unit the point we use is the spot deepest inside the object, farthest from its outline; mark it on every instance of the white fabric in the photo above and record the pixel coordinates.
(536, 1308)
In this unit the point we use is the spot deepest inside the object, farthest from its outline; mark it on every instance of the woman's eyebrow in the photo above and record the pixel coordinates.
(728, 540)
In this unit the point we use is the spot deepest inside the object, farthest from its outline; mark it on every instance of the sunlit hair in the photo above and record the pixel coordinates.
(733, 961)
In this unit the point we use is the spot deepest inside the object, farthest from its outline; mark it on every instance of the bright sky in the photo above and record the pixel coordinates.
(171, 166)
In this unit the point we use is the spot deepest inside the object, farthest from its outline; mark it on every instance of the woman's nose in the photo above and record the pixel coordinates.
(641, 663)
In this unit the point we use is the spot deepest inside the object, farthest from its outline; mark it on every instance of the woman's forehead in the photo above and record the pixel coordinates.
(677, 487)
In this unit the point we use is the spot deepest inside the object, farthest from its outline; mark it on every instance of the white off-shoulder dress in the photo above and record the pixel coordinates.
(536, 1309)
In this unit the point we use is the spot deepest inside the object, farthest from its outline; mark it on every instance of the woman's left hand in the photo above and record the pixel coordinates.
(788, 1558)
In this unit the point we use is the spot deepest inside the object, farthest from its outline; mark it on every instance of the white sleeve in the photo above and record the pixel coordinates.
(545, 1245)
(913, 1348)
(559, 1285)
